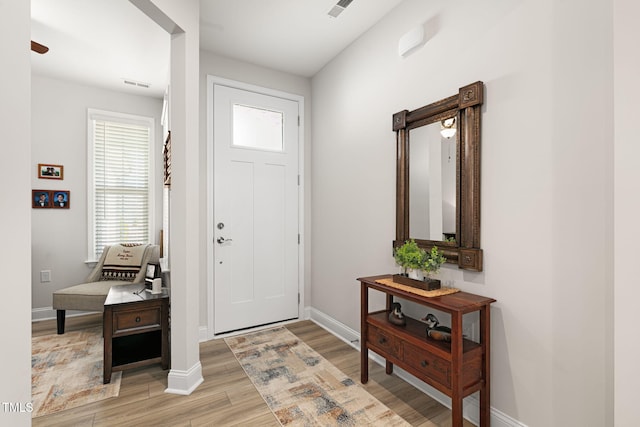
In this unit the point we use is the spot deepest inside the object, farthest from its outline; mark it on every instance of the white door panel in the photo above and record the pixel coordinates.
(256, 198)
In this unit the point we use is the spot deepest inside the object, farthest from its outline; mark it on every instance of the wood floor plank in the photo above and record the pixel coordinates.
(227, 397)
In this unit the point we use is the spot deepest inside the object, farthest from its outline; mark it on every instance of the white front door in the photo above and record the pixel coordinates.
(255, 209)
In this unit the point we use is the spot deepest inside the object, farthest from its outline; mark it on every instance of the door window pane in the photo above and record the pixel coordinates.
(257, 128)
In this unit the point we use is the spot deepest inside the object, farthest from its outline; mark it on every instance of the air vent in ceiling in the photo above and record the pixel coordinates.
(135, 83)
(339, 7)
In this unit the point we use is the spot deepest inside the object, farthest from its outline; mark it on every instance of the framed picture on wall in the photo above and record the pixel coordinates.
(61, 199)
(46, 171)
(40, 199)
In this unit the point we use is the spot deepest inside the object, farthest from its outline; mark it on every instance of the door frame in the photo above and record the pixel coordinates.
(210, 253)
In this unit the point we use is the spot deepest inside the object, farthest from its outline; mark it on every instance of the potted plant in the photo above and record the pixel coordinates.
(416, 263)
(411, 258)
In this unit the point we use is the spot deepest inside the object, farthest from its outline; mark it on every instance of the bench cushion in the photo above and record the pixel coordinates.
(87, 296)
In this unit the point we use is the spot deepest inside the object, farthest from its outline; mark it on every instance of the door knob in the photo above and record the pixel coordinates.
(222, 240)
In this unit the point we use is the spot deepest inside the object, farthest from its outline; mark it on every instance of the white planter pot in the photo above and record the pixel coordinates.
(415, 274)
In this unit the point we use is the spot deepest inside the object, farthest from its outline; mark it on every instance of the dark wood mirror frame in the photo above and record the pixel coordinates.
(466, 107)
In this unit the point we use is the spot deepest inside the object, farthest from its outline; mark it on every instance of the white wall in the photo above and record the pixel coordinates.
(15, 227)
(59, 136)
(223, 67)
(546, 184)
(627, 211)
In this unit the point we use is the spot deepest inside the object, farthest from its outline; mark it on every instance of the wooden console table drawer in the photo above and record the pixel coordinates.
(428, 365)
(134, 320)
(457, 368)
(385, 341)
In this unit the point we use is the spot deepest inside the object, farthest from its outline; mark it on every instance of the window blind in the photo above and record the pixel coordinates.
(121, 168)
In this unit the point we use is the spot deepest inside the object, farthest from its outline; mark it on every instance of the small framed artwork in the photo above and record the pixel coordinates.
(40, 199)
(46, 171)
(61, 199)
(151, 271)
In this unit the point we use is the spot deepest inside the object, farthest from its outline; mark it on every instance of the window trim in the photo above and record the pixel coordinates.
(96, 114)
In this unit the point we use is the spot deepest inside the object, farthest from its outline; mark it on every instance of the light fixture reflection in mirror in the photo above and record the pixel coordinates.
(448, 127)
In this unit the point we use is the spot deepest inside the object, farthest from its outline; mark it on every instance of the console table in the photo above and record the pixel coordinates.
(136, 329)
(457, 368)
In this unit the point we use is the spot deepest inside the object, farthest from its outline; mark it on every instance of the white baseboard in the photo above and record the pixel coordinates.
(48, 313)
(471, 406)
(184, 382)
(340, 330)
(203, 334)
(306, 313)
(44, 313)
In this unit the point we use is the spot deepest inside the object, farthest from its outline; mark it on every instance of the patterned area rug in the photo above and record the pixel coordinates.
(66, 371)
(301, 387)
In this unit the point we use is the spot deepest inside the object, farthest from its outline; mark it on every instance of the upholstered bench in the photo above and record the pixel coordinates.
(118, 265)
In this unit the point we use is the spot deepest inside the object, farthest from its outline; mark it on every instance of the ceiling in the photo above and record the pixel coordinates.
(104, 42)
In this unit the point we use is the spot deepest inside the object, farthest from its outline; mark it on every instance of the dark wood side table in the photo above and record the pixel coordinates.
(457, 368)
(136, 329)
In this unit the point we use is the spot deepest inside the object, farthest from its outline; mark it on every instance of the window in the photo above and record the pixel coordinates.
(119, 180)
(257, 128)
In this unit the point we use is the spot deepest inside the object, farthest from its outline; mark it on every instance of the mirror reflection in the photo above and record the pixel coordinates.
(432, 181)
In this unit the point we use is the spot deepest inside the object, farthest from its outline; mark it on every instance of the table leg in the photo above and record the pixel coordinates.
(388, 366)
(485, 391)
(364, 352)
(456, 371)
(107, 320)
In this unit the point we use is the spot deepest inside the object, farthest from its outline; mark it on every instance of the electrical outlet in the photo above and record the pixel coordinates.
(45, 276)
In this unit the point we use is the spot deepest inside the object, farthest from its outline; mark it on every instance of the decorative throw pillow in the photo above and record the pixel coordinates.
(123, 262)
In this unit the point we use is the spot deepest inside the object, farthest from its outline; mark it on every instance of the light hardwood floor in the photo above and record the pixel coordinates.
(227, 397)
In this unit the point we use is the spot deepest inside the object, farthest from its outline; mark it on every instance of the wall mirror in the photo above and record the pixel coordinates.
(438, 176)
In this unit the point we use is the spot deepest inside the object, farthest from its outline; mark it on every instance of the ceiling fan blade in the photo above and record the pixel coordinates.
(39, 48)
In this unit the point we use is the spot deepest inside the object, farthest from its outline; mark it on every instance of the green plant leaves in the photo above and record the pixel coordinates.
(410, 255)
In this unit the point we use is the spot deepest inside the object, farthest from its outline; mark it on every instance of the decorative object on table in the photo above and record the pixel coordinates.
(46, 171)
(434, 330)
(410, 258)
(61, 199)
(417, 265)
(40, 199)
(396, 317)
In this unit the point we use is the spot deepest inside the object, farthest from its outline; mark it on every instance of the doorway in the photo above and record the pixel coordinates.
(255, 221)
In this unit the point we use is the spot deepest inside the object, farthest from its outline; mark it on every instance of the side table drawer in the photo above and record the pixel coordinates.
(428, 364)
(128, 320)
(385, 341)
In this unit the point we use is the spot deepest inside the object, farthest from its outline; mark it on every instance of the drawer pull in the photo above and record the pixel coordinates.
(382, 340)
(138, 319)
(424, 363)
